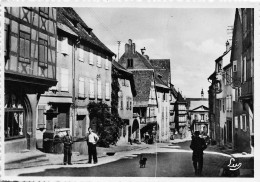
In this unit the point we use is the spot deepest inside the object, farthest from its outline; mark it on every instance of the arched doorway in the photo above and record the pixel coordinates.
(135, 130)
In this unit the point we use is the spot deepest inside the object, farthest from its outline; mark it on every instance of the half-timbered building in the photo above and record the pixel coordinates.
(30, 69)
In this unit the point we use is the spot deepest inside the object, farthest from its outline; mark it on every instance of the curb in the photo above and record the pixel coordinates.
(26, 159)
(58, 163)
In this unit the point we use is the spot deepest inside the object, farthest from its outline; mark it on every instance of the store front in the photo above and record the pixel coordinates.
(17, 122)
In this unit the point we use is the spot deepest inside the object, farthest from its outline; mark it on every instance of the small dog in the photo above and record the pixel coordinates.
(142, 161)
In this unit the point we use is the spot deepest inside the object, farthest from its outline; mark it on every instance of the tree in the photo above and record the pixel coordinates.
(107, 124)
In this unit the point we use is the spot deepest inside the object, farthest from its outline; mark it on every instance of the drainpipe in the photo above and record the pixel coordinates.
(74, 49)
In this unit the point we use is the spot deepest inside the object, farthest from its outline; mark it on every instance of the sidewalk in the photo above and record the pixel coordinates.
(37, 158)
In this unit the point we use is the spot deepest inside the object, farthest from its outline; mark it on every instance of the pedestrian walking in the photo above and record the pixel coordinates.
(198, 145)
(67, 141)
(92, 140)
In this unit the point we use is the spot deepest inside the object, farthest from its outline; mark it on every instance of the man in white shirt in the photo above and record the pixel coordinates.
(92, 140)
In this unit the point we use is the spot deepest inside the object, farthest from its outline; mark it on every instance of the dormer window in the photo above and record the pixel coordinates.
(129, 63)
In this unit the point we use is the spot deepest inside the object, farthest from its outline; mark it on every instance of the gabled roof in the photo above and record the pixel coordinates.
(144, 60)
(194, 103)
(140, 58)
(126, 75)
(200, 108)
(72, 20)
(119, 67)
(162, 67)
(212, 76)
(180, 97)
(174, 91)
(143, 80)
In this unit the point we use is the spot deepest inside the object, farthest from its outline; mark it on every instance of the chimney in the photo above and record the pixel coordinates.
(227, 46)
(133, 48)
(202, 94)
(143, 50)
(126, 48)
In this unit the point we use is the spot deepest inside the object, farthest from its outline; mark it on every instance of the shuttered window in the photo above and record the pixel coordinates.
(106, 66)
(81, 87)
(244, 122)
(236, 122)
(64, 81)
(99, 89)
(41, 116)
(241, 124)
(99, 61)
(81, 54)
(91, 89)
(24, 47)
(121, 102)
(127, 103)
(43, 52)
(64, 46)
(107, 91)
(91, 57)
(244, 69)
(6, 39)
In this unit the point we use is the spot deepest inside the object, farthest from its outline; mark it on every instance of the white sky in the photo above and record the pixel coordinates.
(191, 38)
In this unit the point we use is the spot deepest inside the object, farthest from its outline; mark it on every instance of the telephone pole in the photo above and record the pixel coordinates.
(119, 42)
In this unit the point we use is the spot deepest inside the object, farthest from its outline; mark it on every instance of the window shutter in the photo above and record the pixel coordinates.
(99, 61)
(121, 102)
(41, 116)
(64, 84)
(244, 69)
(107, 91)
(81, 55)
(236, 122)
(106, 64)
(91, 89)
(99, 90)
(245, 122)
(6, 39)
(81, 87)
(241, 125)
(64, 46)
(127, 103)
(91, 57)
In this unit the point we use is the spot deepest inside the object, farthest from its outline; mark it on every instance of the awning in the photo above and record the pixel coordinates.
(81, 111)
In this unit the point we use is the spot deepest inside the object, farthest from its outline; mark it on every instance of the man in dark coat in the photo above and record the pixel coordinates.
(67, 140)
(197, 145)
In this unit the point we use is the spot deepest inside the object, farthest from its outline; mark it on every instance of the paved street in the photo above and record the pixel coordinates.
(165, 160)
